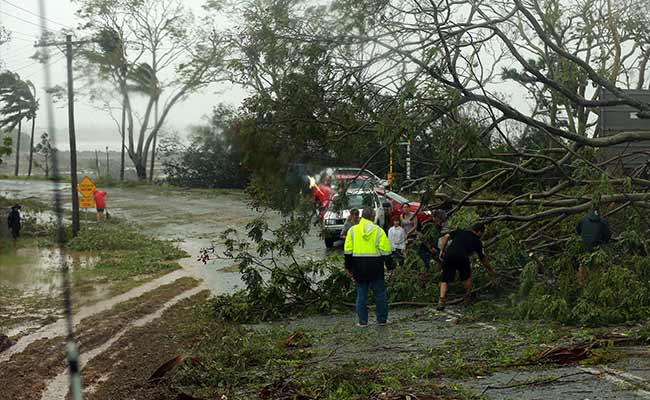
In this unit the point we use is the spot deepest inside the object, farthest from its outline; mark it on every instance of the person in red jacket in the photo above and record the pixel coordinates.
(100, 203)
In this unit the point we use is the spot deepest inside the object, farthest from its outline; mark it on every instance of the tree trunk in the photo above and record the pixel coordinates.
(141, 169)
(20, 129)
(123, 140)
(153, 149)
(47, 167)
(31, 147)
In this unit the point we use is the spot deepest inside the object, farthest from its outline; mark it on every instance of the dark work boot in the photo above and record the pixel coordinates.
(441, 304)
(469, 298)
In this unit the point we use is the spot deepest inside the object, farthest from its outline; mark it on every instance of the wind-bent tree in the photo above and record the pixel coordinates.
(33, 105)
(155, 43)
(143, 80)
(17, 104)
(44, 148)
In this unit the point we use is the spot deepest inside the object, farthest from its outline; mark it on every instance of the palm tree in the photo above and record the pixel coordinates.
(15, 96)
(33, 108)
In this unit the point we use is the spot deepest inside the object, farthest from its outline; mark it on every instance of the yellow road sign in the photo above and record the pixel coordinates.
(86, 202)
(86, 187)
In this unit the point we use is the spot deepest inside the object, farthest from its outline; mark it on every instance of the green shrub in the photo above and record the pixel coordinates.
(611, 294)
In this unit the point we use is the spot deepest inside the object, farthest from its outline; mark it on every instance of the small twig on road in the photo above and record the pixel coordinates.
(540, 382)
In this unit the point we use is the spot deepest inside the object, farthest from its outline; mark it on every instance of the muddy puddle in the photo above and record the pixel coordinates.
(30, 287)
(31, 189)
(33, 270)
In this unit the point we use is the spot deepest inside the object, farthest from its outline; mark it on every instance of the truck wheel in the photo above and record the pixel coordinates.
(329, 243)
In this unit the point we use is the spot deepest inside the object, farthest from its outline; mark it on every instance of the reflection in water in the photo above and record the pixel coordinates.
(34, 270)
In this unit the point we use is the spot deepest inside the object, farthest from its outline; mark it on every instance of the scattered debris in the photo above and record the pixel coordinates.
(565, 355)
(282, 390)
(183, 396)
(298, 339)
(404, 396)
(169, 366)
(538, 382)
(571, 355)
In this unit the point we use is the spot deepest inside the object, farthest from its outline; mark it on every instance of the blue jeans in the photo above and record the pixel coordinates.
(381, 300)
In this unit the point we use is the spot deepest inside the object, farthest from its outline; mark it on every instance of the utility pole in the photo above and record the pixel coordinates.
(99, 171)
(73, 138)
(123, 139)
(108, 169)
(408, 160)
(71, 128)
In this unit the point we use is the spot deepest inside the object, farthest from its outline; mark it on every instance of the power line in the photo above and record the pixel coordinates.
(24, 66)
(33, 63)
(19, 52)
(25, 40)
(22, 20)
(21, 33)
(59, 59)
(36, 15)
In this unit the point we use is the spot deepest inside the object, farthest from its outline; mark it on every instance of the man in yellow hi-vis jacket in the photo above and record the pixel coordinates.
(367, 250)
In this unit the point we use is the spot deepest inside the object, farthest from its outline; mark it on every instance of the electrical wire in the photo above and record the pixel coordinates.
(25, 40)
(56, 61)
(20, 53)
(24, 20)
(60, 58)
(36, 15)
(24, 66)
(27, 35)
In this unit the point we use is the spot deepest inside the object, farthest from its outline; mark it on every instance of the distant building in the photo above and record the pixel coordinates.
(617, 119)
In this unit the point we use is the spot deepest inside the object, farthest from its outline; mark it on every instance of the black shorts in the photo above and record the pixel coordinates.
(100, 210)
(15, 233)
(451, 264)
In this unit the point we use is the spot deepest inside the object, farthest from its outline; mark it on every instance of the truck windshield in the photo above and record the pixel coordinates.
(359, 201)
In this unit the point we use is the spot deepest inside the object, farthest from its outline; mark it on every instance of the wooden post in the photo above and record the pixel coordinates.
(73, 140)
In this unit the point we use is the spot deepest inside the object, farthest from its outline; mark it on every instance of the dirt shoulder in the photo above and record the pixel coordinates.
(25, 374)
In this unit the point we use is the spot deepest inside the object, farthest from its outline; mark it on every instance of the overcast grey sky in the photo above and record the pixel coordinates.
(95, 128)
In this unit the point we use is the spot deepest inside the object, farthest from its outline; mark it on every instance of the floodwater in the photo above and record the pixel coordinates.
(195, 220)
(34, 270)
(58, 328)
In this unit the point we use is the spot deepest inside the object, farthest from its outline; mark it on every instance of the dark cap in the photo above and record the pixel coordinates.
(478, 227)
(16, 206)
(439, 213)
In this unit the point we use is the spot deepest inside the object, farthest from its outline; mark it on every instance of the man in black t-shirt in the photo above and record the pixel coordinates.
(455, 257)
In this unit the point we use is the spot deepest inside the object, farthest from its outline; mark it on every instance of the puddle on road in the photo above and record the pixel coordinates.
(34, 270)
(30, 287)
(36, 189)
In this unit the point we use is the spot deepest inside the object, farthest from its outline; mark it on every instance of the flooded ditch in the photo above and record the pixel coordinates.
(30, 286)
